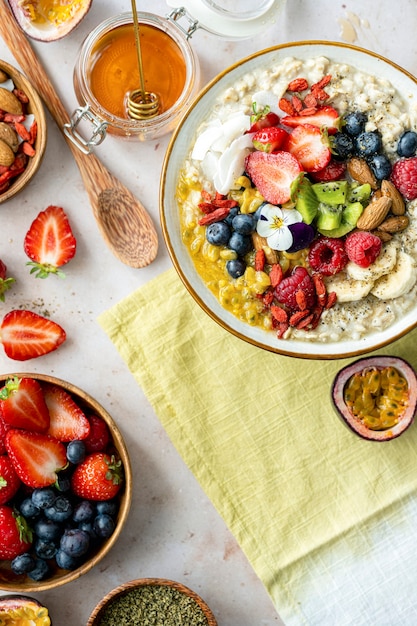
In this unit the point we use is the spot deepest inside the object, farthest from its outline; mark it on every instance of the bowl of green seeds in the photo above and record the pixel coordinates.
(150, 602)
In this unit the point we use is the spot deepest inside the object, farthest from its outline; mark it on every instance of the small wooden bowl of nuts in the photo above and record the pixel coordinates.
(152, 601)
(23, 131)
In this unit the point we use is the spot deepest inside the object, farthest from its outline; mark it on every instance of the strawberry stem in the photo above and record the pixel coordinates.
(43, 270)
(115, 471)
(5, 284)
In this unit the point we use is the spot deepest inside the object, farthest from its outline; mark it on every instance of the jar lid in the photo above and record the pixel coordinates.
(219, 16)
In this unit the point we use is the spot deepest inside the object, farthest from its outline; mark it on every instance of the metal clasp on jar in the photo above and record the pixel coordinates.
(177, 14)
(99, 129)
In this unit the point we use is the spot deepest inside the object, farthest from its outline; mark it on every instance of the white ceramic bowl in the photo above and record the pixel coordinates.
(178, 150)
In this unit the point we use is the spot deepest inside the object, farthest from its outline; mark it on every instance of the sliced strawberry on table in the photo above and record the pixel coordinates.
(273, 174)
(270, 139)
(27, 335)
(15, 535)
(307, 144)
(67, 420)
(22, 404)
(325, 117)
(49, 242)
(9, 480)
(36, 457)
(98, 477)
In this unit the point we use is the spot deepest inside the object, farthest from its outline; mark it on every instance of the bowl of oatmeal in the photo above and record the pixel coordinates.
(286, 203)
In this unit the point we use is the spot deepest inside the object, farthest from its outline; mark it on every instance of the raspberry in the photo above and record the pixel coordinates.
(404, 177)
(362, 248)
(287, 289)
(327, 255)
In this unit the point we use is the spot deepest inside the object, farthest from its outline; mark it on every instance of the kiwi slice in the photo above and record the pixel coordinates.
(329, 216)
(307, 202)
(358, 192)
(332, 192)
(349, 216)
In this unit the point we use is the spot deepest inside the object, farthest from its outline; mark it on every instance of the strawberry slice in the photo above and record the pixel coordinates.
(36, 457)
(307, 145)
(334, 170)
(273, 174)
(67, 420)
(27, 335)
(325, 117)
(270, 139)
(262, 118)
(22, 404)
(49, 242)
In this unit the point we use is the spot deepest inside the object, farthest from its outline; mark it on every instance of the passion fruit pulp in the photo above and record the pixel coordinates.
(376, 397)
(49, 20)
(23, 610)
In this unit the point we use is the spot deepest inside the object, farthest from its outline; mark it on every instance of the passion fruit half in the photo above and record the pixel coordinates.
(20, 609)
(49, 20)
(376, 397)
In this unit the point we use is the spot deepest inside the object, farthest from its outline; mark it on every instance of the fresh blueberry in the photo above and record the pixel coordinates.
(45, 549)
(218, 234)
(76, 451)
(381, 166)
(258, 211)
(65, 561)
(107, 506)
(23, 564)
(232, 213)
(236, 267)
(60, 511)
(75, 542)
(368, 144)
(47, 529)
(28, 509)
(40, 571)
(343, 146)
(355, 123)
(83, 511)
(42, 497)
(243, 223)
(407, 144)
(88, 528)
(241, 244)
(103, 526)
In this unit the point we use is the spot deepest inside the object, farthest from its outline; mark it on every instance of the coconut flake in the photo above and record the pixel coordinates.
(231, 164)
(264, 99)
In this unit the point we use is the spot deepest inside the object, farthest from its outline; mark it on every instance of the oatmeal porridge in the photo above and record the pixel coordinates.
(289, 202)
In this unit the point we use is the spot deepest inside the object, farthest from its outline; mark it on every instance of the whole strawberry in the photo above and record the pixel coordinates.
(5, 283)
(9, 480)
(404, 177)
(98, 477)
(15, 536)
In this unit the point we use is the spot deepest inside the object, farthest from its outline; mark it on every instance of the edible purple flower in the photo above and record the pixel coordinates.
(273, 224)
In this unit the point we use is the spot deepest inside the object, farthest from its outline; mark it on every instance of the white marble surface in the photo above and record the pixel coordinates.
(173, 530)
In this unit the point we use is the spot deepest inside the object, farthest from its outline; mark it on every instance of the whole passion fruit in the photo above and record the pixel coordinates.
(49, 20)
(376, 397)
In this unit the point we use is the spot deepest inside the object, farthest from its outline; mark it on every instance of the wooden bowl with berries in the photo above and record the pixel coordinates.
(23, 131)
(65, 482)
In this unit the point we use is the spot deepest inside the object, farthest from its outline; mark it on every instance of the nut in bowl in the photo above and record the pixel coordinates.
(66, 482)
(23, 131)
(152, 601)
(262, 203)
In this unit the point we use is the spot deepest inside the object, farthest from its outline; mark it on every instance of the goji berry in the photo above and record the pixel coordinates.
(215, 216)
(22, 131)
(279, 313)
(296, 317)
(323, 81)
(12, 118)
(28, 149)
(268, 297)
(33, 132)
(276, 274)
(310, 100)
(260, 260)
(305, 322)
(286, 106)
(20, 95)
(298, 84)
(308, 111)
(300, 298)
(282, 329)
(296, 103)
(331, 299)
(206, 195)
(206, 207)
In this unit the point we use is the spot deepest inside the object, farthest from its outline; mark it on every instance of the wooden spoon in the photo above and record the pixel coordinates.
(123, 221)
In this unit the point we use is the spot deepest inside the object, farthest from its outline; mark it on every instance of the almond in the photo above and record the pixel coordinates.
(375, 213)
(394, 224)
(9, 135)
(383, 236)
(3, 76)
(389, 189)
(9, 102)
(361, 172)
(6, 154)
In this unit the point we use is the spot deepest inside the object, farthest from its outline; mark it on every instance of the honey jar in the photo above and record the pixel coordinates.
(106, 70)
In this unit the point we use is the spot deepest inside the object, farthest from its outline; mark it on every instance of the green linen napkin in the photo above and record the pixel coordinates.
(258, 431)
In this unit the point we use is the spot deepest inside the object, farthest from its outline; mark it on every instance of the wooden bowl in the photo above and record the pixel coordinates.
(22, 584)
(132, 588)
(35, 106)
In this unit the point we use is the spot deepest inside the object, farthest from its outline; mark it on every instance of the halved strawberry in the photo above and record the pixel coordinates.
(262, 119)
(9, 480)
(67, 420)
(22, 404)
(27, 335)
(273, 174)
(36, 457)
(307, 145)
(325, 117)
(335, 170)
(49, 242)
(270, 139)
(15, 535)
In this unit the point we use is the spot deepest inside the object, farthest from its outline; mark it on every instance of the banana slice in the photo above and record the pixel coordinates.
(346, 288)
(383, 265)
(399, 281)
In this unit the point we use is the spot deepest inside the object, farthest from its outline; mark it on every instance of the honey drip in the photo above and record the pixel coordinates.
(114, 72)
